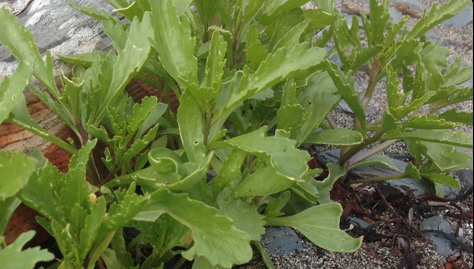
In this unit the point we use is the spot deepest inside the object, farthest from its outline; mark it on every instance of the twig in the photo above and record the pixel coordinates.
(453, 239)
(390, 207)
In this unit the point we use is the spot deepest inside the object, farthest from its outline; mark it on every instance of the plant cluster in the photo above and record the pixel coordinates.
(253, 85)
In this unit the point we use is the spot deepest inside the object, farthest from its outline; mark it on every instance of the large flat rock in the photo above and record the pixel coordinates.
(56, 27)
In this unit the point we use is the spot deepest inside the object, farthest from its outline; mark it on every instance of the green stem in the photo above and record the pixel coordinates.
(331, 122)
(179, 264)
(373, 80)
(44, 134)
(377, 179)
(370, 152)
(355, 149)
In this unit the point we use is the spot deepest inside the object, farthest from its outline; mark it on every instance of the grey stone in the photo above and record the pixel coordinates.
(58, 27)
(467, 84)
(463, 19)
(419, 187)
(452, 194)
(336, 59)
(395, 16)
(281, 241)
(466, 179)
(370, 112)
(359, 222)
(443, 245)
(345, 107)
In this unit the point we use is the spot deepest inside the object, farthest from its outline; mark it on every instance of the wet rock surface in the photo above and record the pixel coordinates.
(442, 234)
(281, 241)
(57, 27)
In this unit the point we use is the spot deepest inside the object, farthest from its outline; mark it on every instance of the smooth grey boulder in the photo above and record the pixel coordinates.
(443, 245)
(420, 187)
(359, 222)
(463, 19)
(57, 27)
(466, 178)
(281, 241)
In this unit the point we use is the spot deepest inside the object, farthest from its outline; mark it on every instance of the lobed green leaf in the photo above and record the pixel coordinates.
(337, 137)
(15, 256)
(215, 237)
(281, 153)
(456, 138)
(320, 224)
(15, 171)
(173, 42)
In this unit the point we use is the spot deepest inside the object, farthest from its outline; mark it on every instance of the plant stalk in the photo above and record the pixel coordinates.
(355, 149)
(331, 122)
(45, 134)
(377, 179)
(370, 152)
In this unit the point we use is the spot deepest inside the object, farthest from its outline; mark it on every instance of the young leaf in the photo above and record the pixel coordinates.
(215, 63)
(345, 86)
(90, 11)
(325, 186)
(15, 170)
(428, 122)
(320, 224)
(19, 41)
(379, 22)
(318, 18)
(365, 55)
(447, 157)
(325, 5)
(442, 179)
(280, 152)
(230, 171)
(138, 145)
(282, 63)
(15, 256)
(337, 137)
(191, 125)
(274, 9)
(174, 43)
(214, 236)
(454, 116)
(378, 160)
(290, 118)
(163, 234)
(256, 52)
(127, 207)
(92, 224)
(319, 98)
(456, 138)
(245, 216)
(135, 9)
(129, 61)
(291, 37)
(84, 59)
(8, 206)
(275, 205)
(412, 172)
(264, 181)
(12, 87)
(435, 16)
(274, 69)
(38, 194)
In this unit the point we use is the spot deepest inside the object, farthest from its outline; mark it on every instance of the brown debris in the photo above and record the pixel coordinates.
(408, 9)
(354, 9)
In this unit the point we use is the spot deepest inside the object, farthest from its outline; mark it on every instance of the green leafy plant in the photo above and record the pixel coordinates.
(202, 182)
(428, 86)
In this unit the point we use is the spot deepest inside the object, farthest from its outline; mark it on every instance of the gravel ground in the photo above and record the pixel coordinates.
(380, 254)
